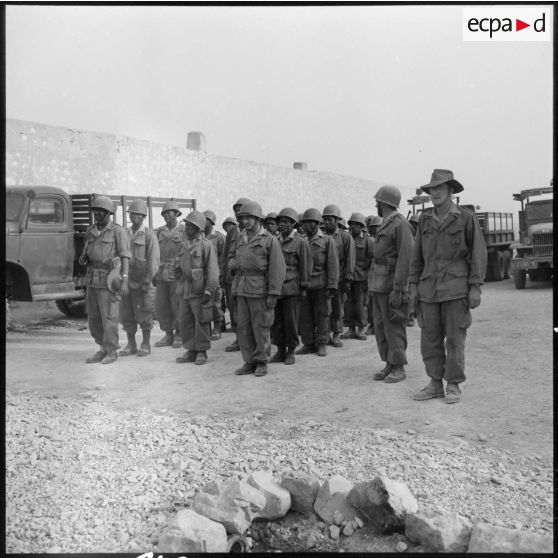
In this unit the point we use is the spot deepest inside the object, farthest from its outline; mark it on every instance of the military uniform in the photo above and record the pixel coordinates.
(298, 261)
(166, 297)
(392, 255)
(448, 257)
(218, 240)
(227, 275)
(101, 246)
(260, 271)
(199, 272)
(137, 307)
(315, 307)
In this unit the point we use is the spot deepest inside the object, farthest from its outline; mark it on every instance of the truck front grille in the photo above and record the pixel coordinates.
(542, 244)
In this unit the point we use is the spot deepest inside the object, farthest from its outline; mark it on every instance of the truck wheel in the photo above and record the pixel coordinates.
(520, 278)
(72, 308)
(507, 263)
(498, 267)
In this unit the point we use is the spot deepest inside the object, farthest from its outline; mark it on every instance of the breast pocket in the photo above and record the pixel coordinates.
(106, 246)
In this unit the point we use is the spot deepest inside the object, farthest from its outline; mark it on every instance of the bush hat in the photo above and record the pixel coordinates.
(443, 176)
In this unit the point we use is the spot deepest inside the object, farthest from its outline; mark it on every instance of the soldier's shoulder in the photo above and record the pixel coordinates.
(466, 211)
(118, 228)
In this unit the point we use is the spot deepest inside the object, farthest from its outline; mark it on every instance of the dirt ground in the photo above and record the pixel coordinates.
(507, 397)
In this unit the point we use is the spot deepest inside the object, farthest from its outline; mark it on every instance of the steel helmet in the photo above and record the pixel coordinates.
(312, 214)
(251, 208)
(138, 206)
(196, 218)
(231, 220)
(342, 223)
(357, 218)
(300, 217)
(241, 201)
(331, 211)
(375, 221)
(271, 215)
(414, 218)
(103, 202)
(210, 215)
(172, 205)
(290, 213)
(389, 195)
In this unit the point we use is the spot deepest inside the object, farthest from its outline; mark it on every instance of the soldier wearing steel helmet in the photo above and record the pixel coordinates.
(170, 237)
(392, 252)
(373, 222)
(230, 226)
(413, 221)
(198, 270)
(136, 307)
(106, 247)
(358, 293)
(447, 270)
(259, 274)
(270, 223)
(218, 240)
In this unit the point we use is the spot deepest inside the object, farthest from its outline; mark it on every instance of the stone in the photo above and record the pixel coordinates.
(482, 437)
(487, 538)
(383, 502)
(233, 503)
(439, 531)
(303, 490)
(189, 531)
(332, 497)
(334, 531)
(348, 529)
(338, 517)
(277, 498)
(359, 522)
(401, 546)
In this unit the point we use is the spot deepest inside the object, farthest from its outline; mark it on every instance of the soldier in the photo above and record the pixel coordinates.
(358, 294)
(449, 263)
(300, 227)
(218, 240)
(392, 254)
(298, 261)
(270, 223)
(137, 306)
(225, 276)
(106, 247)
(315, 307)
(198, 289)
(346, 254)
(373, 223)
(228, 258)
(413, 221)
(170, 237)
(260, 272)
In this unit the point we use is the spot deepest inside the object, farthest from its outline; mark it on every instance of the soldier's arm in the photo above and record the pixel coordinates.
(305, 257)
(404, 241)
(332, 265)
(276, 268)
(351, 257)
(477, 251)
(417, 260)
(152, 255)
(369, 253)
(212, 273)
(122, 248)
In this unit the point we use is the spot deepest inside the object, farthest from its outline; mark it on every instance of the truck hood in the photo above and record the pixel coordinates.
(541, 228)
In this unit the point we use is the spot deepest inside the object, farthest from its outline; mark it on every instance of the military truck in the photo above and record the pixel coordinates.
(534, 251)
(45, 232)
(497, 229)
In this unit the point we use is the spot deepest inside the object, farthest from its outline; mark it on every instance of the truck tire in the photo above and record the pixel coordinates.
(72, 308)
(498, 267)
(520, 278)
(507, 264)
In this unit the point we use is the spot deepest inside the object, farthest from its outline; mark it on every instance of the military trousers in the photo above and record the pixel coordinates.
(355, 314)
(442, 338)
(137, 308)
(254, 323)
(391, 335)
(313, 323)
(284, 331)
(166, 302)
(102, 317)
(217, 310)
(231, 305)
(337, 310)
(194, 319)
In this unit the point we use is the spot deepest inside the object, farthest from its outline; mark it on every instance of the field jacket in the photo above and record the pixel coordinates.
(229, 250)
(448, 256)
(169, 248)
(144, 262)
(345, 252)
(325, 263)
(298, 262)
(364, 251)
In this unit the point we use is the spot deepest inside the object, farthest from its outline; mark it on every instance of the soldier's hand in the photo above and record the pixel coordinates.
(154, 281)
(217, 295)
(331, 293)
(412, 295)
(303, 291)
(145, 287)
(270, 302)
(83, 259)
(346, 285)
(231, 264)
(474, 297)
(395, 298)
(124, 288)
(206, 297)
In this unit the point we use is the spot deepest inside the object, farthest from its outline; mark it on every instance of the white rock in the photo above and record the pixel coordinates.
(278, 499)
(439, 532)
(303, 490)
(401, 546)
(488, 538)
(332, 497)
(334, 531)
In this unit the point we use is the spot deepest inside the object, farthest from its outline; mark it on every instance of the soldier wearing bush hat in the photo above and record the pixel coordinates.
(447, 270)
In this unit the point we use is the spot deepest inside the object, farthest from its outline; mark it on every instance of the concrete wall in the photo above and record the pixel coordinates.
(80, 161)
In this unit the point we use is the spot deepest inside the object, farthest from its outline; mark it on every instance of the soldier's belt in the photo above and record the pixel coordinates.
(385, 261)
(107, 266)
(251, 273)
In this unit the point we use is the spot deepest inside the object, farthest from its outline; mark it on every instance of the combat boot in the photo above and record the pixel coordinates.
(223, 327)
(370, 330)
(279, 356)
(381, 375)
(453, 393)
(306, 350)
(145, 347)
(201, 358)
(434, 390)
(289, 357)
(110, 358)
(349, 334)
(361, 336)
(234, 346)
(166, 341)
(188, 356)
(322, 351)
(131, 348)
(97, 357)
(216, 331)
(397, 374)
(177, 341)
(246, 368)
(336, 342)
(261, 369)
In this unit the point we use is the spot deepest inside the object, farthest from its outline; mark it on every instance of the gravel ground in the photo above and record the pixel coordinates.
(83, 477)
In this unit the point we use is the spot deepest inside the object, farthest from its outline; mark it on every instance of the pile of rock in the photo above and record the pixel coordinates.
(382, 505)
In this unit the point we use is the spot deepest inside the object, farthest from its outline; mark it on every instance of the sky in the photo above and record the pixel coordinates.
(386, 93)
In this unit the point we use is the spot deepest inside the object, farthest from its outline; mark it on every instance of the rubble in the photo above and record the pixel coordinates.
(438, 532)
(332, 499)
(277, 498)
(488, 538)
(303, 490)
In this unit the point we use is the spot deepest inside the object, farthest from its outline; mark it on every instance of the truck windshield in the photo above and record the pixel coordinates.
(539, 211)
(14, 205)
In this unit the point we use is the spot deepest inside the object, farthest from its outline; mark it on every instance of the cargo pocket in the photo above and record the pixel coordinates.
(206, 314)
(197, 281)
(466, 319)
(137, 270)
